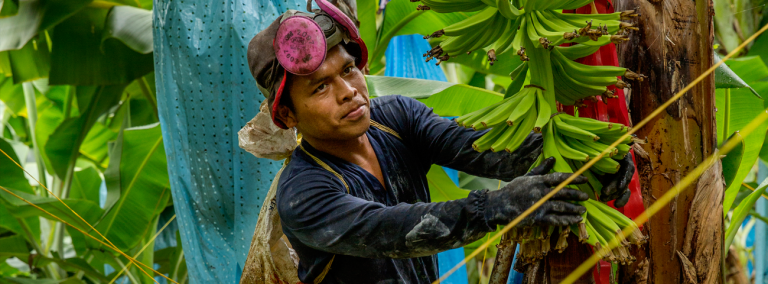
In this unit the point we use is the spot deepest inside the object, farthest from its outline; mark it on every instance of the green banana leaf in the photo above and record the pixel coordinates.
(142, 112)
(132, 26)
(744, 107)
(749, 68)
(366, 15)
(402, 18)
(12, 96)
(94, 147)
(13, 176)
(34, 16)
(17, 30)
(49, 115)
(80, 57)
(725, 78)
(13, 244)
(20, 225)
(741, 212)
(731, 163)
(5, 64)
(9, 8)
(724, 20)
(142, 184)
(446, 99)
(85, 185)
(148, 255)
(71, 133)
(441, 187)
(760, 45)
(90, 211)
(31, 62)
(73, 265)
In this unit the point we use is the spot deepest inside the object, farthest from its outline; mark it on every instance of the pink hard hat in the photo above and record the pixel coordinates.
(297, 42)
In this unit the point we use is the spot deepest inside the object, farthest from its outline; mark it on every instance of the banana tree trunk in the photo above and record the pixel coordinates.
(673, 47)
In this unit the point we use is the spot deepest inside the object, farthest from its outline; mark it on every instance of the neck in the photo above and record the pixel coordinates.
(349, 150)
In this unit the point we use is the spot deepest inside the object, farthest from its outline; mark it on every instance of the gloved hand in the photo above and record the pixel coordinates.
(616, 186)
(509, 202)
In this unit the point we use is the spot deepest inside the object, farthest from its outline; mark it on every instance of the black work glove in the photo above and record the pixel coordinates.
(616, 186)
(509, 202)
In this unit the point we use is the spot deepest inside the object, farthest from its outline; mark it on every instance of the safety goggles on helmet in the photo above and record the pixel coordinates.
(300, 42)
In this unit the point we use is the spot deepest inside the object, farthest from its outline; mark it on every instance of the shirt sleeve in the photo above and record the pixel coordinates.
(445, 143)
(322, 216)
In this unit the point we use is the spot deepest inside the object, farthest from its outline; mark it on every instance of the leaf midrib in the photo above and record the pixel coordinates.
(130, 185)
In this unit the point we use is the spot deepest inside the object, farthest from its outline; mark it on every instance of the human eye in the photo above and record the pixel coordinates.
(321, 88)
(348, 70)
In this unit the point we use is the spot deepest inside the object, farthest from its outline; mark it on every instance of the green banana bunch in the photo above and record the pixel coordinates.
(482, 29)
(448, 6)
(605, 224)
(502, 25)
(511, 120)
(536, 33)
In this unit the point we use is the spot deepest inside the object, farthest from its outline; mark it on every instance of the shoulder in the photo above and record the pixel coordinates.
(396, 112)
(303, 189)
(301, 173)
(393, 102)
(302, 177)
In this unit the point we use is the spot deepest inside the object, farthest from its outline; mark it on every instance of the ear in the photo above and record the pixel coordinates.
(287, 116)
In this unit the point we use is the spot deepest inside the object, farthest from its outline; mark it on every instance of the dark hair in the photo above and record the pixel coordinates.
(285, 99)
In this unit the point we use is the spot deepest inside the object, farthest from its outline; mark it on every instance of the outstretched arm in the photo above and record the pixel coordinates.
(321, 215)
(443, 142)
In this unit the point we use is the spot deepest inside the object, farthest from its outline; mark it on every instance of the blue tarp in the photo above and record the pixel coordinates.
(760, 233)
(205, 94)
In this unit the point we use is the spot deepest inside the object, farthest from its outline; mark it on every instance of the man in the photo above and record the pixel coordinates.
(353, 200)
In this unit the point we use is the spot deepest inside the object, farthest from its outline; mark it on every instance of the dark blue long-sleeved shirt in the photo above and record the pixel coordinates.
(389, 234)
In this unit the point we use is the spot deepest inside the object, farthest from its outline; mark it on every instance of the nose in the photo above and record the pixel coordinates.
(346, 92)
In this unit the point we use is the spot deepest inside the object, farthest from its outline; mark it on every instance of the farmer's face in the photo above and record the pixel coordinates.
(331, 103)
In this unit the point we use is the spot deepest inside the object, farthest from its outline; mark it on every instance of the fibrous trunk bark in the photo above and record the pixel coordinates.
(673, 47)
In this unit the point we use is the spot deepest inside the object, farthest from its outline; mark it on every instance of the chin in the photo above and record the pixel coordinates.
(354, 129)
(358, 128)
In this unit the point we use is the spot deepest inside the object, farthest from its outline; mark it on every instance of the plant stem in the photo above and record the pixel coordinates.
(3, 120)
(148, 93)
(68, 105)
(31, 101)
(727, 115)
(58, 243)
(49, 269)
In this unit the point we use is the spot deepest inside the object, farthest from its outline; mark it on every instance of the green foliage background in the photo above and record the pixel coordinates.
(78, 111)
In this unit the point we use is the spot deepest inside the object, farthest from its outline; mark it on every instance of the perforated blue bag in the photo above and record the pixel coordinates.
(205, 94)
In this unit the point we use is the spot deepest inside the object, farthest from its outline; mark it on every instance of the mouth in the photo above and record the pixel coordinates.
(355, 113)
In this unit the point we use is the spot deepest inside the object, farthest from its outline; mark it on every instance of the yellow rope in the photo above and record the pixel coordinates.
(325, 166)
(485, 253)
(88, 235)
(143, 248)
(752, 189)
(592, 161)
(385, 129)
